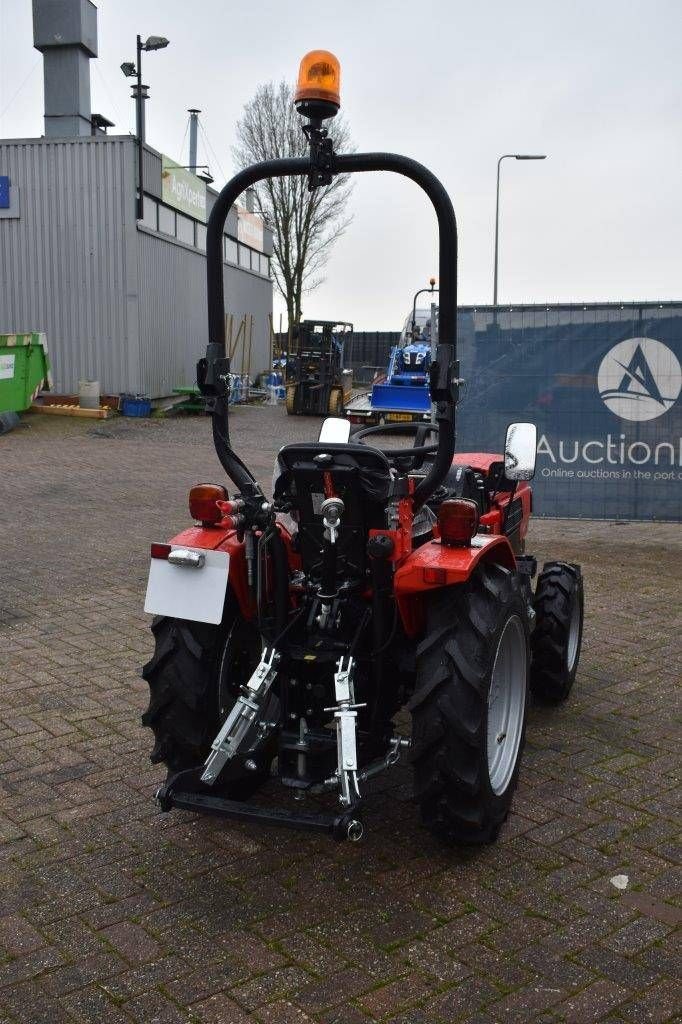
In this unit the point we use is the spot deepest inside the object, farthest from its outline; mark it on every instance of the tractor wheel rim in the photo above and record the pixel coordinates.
(506, 704)
(573, 634)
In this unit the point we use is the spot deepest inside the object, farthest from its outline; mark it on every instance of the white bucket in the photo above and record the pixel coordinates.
(88, 394)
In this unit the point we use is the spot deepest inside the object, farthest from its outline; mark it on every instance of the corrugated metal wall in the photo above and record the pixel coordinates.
(118, 304)
(63, 261)
(173, 333)
(151, 171)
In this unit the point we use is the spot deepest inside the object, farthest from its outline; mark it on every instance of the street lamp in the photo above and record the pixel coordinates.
(154, 43)
(507, 156)
(140, 93)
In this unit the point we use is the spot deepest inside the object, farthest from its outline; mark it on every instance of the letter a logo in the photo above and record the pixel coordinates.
(639, 379)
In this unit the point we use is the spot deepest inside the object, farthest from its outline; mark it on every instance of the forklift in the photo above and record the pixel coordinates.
(316, 382)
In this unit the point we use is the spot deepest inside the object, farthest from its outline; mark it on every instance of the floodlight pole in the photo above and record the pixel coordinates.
(139, 110)
(506, 156)
(141, 94)
(139, 105)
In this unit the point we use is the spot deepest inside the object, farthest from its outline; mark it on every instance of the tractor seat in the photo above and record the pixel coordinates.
(359, 475)
(465, 482)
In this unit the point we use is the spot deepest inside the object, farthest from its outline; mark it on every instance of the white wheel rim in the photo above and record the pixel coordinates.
(506, 704)
(574, 634)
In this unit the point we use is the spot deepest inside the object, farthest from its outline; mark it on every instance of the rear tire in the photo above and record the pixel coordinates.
(291, 400)
(194, 678)
(557, 637)
(472, 667)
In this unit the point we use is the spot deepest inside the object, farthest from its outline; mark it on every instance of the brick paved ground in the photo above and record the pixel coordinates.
(111, 912)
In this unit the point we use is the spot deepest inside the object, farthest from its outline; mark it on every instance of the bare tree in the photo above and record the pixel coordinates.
(305, 224)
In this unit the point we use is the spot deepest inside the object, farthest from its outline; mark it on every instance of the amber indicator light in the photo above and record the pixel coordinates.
(457, 521)
(203, 503)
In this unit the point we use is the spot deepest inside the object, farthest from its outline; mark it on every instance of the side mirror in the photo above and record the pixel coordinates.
(335, 431)
(520, 449)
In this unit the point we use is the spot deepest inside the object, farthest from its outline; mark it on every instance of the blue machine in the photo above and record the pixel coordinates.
(402, 393)
(406, 386)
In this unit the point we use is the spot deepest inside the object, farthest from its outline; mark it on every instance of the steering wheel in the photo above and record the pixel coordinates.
(416, 454)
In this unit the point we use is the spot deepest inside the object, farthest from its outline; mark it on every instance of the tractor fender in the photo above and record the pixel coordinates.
(433, 565)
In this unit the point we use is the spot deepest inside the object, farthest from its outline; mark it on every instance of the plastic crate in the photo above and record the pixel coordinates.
(135, 405)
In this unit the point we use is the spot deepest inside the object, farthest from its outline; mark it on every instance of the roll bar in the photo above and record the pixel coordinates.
(428, 291)
(212, 371)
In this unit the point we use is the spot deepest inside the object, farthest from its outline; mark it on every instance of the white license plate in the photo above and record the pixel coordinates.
(186, 592)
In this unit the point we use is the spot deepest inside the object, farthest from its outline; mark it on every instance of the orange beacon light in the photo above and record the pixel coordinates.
(318, 91)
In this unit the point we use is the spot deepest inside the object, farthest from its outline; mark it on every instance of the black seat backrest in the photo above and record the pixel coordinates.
(357, 474)
(464, 482)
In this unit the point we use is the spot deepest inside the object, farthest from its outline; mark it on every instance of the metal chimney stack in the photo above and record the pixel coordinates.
(65, 32)
(193, 126)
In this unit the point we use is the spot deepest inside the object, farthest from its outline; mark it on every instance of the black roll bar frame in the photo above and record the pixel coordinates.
(213, 370)
(429, 291)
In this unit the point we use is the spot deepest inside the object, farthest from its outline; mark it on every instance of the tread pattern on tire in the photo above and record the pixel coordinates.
(449, 707)
(182, 710)
(559, 585)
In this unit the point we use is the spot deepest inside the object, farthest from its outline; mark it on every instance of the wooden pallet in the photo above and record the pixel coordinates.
(72, 410)
(105, 401)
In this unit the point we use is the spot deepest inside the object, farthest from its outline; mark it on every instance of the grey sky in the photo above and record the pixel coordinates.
(595, 85)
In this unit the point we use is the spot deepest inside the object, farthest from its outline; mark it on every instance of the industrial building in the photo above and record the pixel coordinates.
(117, 285)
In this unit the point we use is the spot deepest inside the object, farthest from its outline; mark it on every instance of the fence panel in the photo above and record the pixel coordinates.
(601, 382)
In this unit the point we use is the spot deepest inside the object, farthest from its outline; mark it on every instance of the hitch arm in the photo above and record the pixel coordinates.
(242, 717)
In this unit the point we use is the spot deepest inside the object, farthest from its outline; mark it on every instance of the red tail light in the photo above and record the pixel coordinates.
(160, 550)
(457, 521)
(202, 503)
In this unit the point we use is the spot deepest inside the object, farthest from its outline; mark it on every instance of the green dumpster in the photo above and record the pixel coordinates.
(24, 370)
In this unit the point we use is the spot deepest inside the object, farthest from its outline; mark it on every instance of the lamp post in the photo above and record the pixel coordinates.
(140, 93)
(506, 156)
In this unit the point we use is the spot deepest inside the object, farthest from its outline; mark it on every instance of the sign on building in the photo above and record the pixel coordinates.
(182, 190)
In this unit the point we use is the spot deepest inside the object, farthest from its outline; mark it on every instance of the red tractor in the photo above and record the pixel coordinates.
(291, 629)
